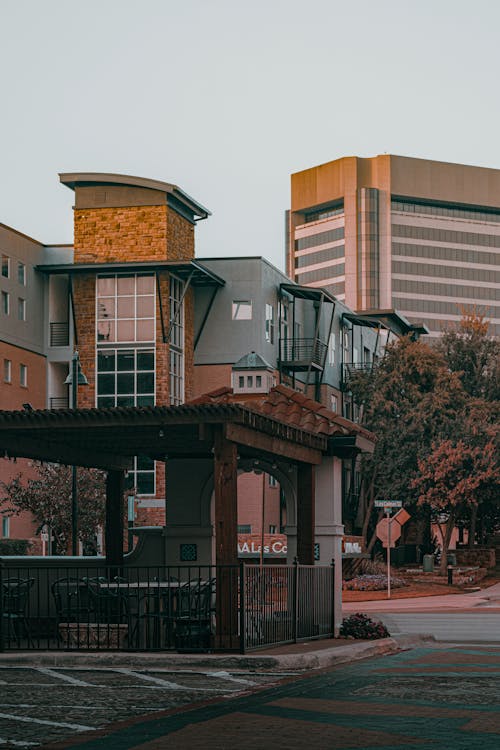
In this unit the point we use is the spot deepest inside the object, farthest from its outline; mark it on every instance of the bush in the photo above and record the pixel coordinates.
(376, 582)
(361, 626)
(14, 546)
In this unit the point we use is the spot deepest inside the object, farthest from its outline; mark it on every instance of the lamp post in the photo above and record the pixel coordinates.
(75, 378)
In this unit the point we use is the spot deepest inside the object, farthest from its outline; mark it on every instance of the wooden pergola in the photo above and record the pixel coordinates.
(108, 439)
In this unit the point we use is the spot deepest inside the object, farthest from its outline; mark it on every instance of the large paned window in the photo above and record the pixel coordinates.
(125, 308)
(176, 341)
(125, 364)
(125, 377)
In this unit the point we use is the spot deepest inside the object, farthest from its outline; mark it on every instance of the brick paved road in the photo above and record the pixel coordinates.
(38, 705)
(445, 698)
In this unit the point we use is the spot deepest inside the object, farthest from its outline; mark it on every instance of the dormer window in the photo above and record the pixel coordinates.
(252, 374)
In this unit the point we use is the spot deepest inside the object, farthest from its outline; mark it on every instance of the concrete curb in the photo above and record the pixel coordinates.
(319, 659)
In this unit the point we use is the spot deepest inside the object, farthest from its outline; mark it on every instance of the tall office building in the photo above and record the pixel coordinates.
(390, 232)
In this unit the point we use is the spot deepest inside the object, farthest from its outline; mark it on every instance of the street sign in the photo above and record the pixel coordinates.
(388, 503)
(383, 531)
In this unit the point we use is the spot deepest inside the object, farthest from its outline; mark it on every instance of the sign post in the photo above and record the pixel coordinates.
(388, 516)
(385, 531)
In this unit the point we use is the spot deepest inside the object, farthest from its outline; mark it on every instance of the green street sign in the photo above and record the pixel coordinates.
(388, 503)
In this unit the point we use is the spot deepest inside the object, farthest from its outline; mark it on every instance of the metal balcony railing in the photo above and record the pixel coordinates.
(300, 354)
(59, 402)
(59, 334)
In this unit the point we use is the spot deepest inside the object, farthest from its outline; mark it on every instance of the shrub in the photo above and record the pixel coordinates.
(376, 582)
(14, 546)
(361, 626)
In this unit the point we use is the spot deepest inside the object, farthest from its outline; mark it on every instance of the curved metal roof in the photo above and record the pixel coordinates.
(86, 179)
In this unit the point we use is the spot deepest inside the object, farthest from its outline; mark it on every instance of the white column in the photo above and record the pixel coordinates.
(329, 528)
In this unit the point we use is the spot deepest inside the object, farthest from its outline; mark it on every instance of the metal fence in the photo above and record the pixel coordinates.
(184, 608)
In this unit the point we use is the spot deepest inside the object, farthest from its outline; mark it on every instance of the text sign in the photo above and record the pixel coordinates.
(388, 503)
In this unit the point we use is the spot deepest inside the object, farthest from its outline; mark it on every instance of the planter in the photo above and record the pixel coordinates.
(93, 635)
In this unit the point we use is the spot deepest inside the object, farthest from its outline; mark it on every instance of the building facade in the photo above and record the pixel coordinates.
(154, 326)
(395, 233)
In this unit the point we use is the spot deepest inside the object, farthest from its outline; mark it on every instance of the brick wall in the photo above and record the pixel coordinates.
(138, 233)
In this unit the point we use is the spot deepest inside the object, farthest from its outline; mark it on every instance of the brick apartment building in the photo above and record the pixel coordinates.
(154, 326)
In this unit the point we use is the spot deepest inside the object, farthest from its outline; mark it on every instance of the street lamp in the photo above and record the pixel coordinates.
(75, 378)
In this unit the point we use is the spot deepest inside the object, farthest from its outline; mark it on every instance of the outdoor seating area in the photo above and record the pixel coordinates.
(156, 609)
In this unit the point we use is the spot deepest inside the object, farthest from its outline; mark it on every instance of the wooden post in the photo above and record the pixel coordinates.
(114, 517)
(226, 540)
(305, 514)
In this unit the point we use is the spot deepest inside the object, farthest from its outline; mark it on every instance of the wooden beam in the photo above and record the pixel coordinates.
(305, 514)
(246, 436)
(115, 483)
(226, 539)
(226, 500)
(40, 449)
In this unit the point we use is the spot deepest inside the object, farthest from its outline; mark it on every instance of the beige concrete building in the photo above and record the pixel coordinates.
(392, 232)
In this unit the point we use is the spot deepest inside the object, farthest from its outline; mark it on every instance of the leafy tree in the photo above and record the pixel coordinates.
(455, 477)
(471, 352)
(48, 498)
(410, 401)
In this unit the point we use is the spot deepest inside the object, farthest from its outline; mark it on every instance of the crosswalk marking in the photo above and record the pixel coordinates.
(227, 676)
(63, 677)
(32, 720)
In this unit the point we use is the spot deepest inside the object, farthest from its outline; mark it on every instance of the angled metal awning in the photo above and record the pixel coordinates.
(197, 272)
(307, 292)
(390, 319)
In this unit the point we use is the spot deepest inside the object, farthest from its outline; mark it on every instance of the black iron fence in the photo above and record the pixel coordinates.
(184, 608)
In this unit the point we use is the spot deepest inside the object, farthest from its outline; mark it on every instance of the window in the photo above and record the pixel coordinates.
(241, 381)
(272, 528)
(5, 266)
(21, 309)
(5, 303)
(142, 476)
(242, 309)
(258, 381)
(125, 308)
(21, 273)
(270, 324)
(331, 349)
(7, 370)
(23, 375)
(176, 341)
(5, 527)
(244, 528)
(273, 482)
(334, 403)
(249, 381)
(125, 377)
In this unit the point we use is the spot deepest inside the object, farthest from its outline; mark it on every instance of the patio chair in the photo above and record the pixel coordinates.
(15, 596)
(107, 605)
(192, 619)
(72, 600)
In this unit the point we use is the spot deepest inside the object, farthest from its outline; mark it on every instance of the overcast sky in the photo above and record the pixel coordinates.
(227, 98)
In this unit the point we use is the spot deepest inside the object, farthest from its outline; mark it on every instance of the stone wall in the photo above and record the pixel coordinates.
(483, 557)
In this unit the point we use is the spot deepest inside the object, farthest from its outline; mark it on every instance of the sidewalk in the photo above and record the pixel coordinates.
(466, 602)
(293, 657)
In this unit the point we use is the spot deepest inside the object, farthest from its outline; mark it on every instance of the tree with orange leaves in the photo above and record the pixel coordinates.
(455, 478)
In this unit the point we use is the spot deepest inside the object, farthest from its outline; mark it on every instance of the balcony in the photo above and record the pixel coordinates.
(351, 368)
(59, 402)
(59, 334)
(301, 355)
